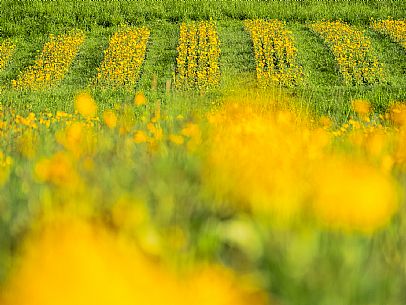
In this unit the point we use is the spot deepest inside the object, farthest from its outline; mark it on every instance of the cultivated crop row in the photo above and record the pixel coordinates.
(396, 29)
(124, 57)
(53, 63)
(274, 51)
(198, 55)
(353, 52)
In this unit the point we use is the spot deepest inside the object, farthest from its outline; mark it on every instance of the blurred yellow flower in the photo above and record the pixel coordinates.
(77, 138)
(73, 262)
(397, 114)
(176, 139)
(110, 119)
(140, 137)
(5, 168)
(325, 121)
(58, 170)
(140, 99)
(85, 105)
(362, 107)
(353, 196)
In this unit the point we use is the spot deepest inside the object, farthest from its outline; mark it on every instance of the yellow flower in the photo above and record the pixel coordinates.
(353, 196)
(58, 170)
(325, 121)
(176, 139)
(396, 29)
(6, 51)
(85, 105)
(110, 118)
(362, 107)
(140, 99)
(5, 168)
(140, 137)
(353, 52)
(73, 262)
(397, 114)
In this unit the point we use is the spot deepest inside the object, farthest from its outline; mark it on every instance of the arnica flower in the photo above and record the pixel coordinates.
(325, 122)
(270, 156)
(176, 139)
(110, 119)
(85, 105)
(140, 137)
(362, 107)
(140, 99)
(352, 196)
(397, 114)
(5, 167)
(77, 138)
(58, 170)
(73, 262)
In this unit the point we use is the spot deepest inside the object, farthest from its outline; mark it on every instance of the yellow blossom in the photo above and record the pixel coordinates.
(5, 168)
(97, 267)
(52, 64)
(140, 137)
(397, 114)
(362, 107)
(85, 105)
(58, 170)
(140, 99)
(176, 139)
(110, 118)
(197, 63)
(354, 196)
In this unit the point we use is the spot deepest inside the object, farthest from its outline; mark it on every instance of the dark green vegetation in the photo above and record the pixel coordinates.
(28, 25)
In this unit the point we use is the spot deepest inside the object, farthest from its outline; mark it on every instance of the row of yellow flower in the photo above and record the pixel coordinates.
(6, 51)
(198, 56)
(396, 29)
(123, 58)
(53, 63)
(353, 52)
(274, 51)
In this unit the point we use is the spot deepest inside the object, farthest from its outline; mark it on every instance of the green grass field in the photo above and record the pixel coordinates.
(288, 194)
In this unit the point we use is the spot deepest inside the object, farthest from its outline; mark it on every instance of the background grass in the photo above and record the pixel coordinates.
(48, 16)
